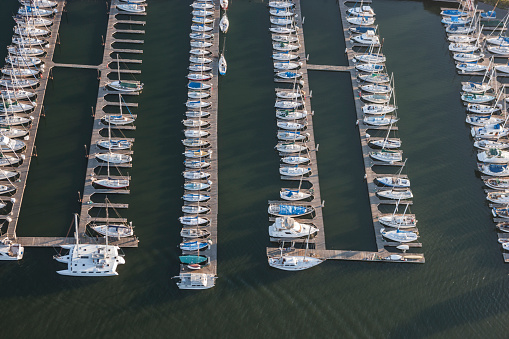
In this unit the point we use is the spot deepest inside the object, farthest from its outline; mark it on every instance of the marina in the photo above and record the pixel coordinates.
(318, 249)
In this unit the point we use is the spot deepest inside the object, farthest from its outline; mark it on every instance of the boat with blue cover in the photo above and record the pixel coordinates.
(290, 210)
(453, 12)
(194, 245)
(494, 170)
(361, 29)
(500, 212)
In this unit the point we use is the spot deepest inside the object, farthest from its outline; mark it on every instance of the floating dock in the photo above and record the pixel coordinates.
(13, 217)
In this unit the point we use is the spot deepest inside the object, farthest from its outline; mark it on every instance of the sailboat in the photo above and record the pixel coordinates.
(222, 62)
(224, 23)
(114, 230)
(90, 260)
(124, 85)
(294, 262)
(118, 119)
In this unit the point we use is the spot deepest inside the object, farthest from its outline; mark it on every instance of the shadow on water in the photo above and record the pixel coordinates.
(58, 172)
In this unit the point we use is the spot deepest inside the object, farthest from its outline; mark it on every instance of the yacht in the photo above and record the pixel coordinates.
(10, 250)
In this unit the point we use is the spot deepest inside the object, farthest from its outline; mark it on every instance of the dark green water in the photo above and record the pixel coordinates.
(459, 293)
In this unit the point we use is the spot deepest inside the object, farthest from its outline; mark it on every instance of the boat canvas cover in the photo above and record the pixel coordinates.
(192, 259)
(497, 168)
(291, 210)
(127, 84)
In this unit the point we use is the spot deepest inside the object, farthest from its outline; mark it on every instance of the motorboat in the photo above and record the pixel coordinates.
(9, 250)
(368, 39)
(494, 170)
(193, 221)
(489, 132)
(489, 144)
(392, 181)
(493, 156)
(282, 210)
(294, 171)
(194, 209)
(288, 228)
(195, 281)
(497, 183)
(295, 195)
(114, 230)
(386, 155)
(399, 235)
(395, 194)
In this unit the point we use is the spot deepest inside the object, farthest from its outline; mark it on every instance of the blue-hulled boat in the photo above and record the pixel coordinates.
(192, 259)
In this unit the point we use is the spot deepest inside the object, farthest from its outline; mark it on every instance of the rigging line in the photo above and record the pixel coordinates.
(127, 106)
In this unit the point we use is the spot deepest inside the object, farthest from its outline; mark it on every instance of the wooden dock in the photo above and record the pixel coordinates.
(104, 70)
(316, 202)
(40, 91)
(212, 204)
